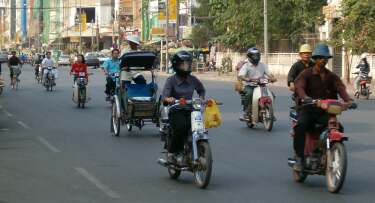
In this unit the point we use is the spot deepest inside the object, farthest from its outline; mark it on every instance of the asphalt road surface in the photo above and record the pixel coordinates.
(51, 151)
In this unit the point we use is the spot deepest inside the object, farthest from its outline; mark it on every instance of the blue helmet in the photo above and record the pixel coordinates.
(321, 50)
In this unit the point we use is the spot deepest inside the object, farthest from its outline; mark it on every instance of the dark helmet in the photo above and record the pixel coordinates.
(321, 51)
(254, 55)
(181, 62)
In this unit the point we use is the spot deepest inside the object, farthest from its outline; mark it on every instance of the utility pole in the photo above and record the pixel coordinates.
(97, 33)
(92, 35)
(80, 27)
(265, 32)
(166, 35)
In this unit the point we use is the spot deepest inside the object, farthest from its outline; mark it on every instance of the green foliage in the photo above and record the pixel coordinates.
(356, 29)
(200, 36)
(238, 24)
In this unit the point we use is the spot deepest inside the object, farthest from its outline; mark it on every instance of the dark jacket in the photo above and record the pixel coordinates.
(296, 69)
(309, 83)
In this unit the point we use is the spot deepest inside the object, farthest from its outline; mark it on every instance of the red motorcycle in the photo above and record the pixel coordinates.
(364, 83)
(262, 106)
(325, 152)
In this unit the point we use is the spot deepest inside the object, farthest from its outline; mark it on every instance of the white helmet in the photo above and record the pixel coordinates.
(134, 39)
(364, 55)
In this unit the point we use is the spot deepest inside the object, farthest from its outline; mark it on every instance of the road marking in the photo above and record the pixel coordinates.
(4, 129)
(104, 188)
(24, 125)
(7, 113)
(48, 145)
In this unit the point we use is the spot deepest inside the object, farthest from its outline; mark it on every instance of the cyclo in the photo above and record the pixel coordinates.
(135, 103)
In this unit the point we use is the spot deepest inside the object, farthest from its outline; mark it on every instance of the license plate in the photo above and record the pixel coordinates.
(82, 74)
(197, 122)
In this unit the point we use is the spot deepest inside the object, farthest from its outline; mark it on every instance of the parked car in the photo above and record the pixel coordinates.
(102, 58)
(4, 57)
(92, 60)
(64, 60)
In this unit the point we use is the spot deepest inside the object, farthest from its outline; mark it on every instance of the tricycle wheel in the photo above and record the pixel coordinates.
(116, 122)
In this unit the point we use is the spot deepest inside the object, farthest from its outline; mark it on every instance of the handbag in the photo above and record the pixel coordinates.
(238, 86)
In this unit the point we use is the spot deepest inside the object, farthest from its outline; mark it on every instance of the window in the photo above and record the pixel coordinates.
(90, 14)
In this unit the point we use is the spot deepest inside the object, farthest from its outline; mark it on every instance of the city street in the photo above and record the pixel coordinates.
(53, 152)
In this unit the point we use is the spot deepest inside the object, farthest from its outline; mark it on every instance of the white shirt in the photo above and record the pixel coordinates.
(254, 72)
(48, 63)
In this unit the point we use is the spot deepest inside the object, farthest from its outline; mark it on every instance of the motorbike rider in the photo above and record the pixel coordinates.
(14, 64)
(47, 62)
(251, 71)
(302, 64)
(180, 85)
(315, 83)
(364, 70)
(79, 66)
(110, 67)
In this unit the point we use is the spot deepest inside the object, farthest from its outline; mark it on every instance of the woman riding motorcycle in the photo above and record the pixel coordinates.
(180, 85)
(364, 70)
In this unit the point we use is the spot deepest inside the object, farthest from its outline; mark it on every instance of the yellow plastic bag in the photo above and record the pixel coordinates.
(212, 116)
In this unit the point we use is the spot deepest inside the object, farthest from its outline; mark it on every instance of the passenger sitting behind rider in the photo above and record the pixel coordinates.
(180, 85)
(251, 71)
(315, 83)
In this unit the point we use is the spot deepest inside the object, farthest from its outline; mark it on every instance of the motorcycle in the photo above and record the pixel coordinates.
(262, 106)
(80, 90)
(50, 79)
(364, 83)
(196, 156)
(325, 152)
(38, 73)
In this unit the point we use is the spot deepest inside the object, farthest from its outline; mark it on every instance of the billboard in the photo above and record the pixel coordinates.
(172, 11)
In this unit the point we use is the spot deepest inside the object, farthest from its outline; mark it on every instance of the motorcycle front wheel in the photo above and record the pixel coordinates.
(203, 170)
(268, 117)
(336, 167)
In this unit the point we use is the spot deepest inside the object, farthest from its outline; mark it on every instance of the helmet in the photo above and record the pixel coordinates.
(181, 63)
(134, 39)
(305, 48)
(254, 55)
(364, 55)
(321, 50)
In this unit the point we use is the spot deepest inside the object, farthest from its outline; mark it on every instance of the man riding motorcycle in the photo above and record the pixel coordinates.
(180, 85)
(315, 83)
(111, 66)
(47, 62)
(14, 64)
(251, 71)
(364, 70)
(302, 64)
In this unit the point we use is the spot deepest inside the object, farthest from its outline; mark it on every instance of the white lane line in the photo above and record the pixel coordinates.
(104, 188)
(7, 113)
(4, 129)
(48, 144)
(24, 125)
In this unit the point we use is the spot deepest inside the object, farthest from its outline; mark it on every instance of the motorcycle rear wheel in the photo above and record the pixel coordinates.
(202, 172)
(174, 173)
(299, 176)
(336, 167)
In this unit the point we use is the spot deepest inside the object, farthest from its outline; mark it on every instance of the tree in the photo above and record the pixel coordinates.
(355, 30)
(239, 23)
(204, 30)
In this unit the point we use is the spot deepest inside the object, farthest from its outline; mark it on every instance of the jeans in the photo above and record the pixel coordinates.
(248, 98)
(307, 120)
(110, 86)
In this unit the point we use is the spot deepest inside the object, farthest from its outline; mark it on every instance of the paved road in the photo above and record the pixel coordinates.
(50, 151)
